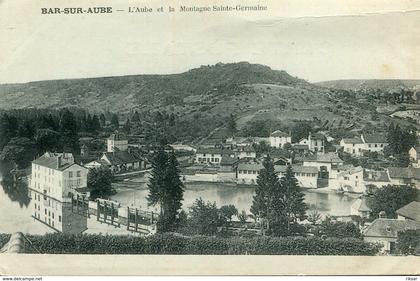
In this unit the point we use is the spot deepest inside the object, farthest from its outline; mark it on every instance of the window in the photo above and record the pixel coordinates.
(45, 211)
(346, 178)
(59, 218)
(370, 145)
(52, 215)
(357, 177)
(78, 174)
(382, 145)
(216, 159)
(70, 174)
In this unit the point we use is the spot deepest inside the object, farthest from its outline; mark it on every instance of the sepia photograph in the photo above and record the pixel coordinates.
(242, 128)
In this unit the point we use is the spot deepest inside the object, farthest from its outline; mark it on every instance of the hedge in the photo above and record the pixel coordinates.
(169, 243)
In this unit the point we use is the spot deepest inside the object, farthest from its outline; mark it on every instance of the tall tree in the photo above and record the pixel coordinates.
(157, 179)
(166, 188)
(102, 120)
(127, 126)
(291, 203)
(96, 125)
(69, 132)
(173, 193)
(267, 181)
(136, 117)
(115, 123)
(231, 125)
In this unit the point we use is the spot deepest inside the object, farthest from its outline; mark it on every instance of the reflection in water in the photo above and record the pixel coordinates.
(15, 190)
(241, 197)
(42, 215)
(57, 215)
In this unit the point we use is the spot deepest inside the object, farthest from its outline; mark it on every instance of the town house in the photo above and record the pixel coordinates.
(116, 142)
(315, 142)
(55, 180)
(279, 139)
(212, 155)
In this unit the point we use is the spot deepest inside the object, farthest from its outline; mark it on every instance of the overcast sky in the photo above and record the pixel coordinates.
(310, 43)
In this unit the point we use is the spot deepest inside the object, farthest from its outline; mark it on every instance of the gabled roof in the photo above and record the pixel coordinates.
(355, 140)
(317, 136)
(279, 134)
(116, 137)
(250, 166)
(56, 161)
(351, 171)
(374, 138)
(330, 157)
(404, 173)
(410, 211)
(389, 227)
(247, 148)
(120, 157)
(227, 160)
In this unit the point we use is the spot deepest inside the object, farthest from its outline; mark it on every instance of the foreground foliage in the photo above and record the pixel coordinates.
(170, 243)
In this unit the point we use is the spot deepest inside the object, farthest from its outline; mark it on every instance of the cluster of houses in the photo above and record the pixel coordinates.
(385, 231)
(119, 156)
(237, 162)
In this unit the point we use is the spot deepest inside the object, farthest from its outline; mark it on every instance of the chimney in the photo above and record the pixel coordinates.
(58, 161)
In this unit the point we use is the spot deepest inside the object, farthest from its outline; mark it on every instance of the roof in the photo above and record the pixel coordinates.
(355, 140)
(300, 146)
(120, 157)
(214, 151)
(250, 166)
(374, 138)
(360, 205)
(405, 173)
(317, 136)
(330, 157)
(56, 161)
(116, 137)
(279, 134)
(247, 149)
(351, 171)
(375, 176)
(389, 227)
(410, 211)
(297, 169)
(227, 160)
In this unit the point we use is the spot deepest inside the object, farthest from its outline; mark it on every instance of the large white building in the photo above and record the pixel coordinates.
(212, 155)
(315, 142)
(279, 139)
(357, 146)
(306, 176)
(116, 142)
(54, 181)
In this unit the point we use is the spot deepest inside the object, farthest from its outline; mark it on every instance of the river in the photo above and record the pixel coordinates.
(16, 207)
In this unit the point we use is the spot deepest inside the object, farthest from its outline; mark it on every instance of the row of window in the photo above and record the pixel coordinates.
(208, 159)
(250, 172)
